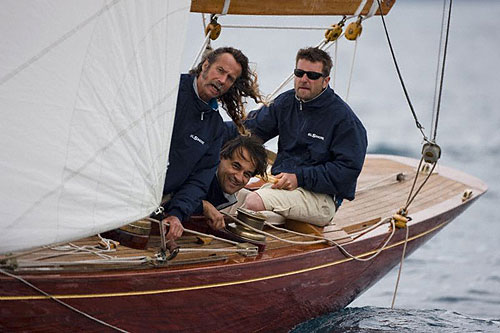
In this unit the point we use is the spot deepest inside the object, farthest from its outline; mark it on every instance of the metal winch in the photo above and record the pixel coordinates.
(251, 218)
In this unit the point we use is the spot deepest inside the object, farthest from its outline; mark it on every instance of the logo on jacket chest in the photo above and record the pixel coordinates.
(316, 136)
(196, 138)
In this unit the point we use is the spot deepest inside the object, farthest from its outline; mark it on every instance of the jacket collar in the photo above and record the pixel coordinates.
(316, 102)
(312, 99)
(211, 103)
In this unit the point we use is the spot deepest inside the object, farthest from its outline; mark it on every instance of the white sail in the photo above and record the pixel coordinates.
(87, 99)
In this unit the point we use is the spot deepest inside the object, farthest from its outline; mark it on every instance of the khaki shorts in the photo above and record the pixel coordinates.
(299, 204)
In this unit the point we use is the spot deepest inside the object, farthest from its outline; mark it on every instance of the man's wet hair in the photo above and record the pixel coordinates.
(254, 148)
(313, 54)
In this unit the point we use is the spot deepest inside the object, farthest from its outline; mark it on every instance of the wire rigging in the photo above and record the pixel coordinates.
(417, 123)
(438, 66)
(438, 108)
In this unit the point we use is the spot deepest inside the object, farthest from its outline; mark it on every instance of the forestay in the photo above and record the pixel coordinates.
(87, 94)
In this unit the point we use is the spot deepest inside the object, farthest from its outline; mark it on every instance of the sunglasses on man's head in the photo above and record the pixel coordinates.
(310, 75)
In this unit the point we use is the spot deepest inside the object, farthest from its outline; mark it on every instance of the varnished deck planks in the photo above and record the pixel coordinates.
(381, 200)
(385, 199)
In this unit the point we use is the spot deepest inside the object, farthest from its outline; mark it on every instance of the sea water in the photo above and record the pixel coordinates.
(452, 283)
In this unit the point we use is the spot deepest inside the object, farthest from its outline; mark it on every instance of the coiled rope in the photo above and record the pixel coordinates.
(321, 239)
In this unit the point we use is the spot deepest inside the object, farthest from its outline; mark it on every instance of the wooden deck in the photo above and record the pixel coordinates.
(226, 291)
(379, 195)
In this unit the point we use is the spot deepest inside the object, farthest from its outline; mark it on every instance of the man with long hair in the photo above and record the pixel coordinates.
(222, 76)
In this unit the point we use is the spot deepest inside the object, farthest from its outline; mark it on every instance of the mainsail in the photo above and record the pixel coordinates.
(87, 96)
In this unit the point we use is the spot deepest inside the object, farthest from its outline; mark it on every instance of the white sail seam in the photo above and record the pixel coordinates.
(64, 37)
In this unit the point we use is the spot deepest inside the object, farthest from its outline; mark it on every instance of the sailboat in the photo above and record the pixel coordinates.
(88, 97)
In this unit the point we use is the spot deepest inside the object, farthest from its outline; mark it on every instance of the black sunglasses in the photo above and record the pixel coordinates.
(310, 75)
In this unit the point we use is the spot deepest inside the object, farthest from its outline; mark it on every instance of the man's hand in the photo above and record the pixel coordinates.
(215, 218)
(286, 181)
(176, 228)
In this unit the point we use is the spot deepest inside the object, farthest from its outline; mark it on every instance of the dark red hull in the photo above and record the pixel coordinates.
(262, 295)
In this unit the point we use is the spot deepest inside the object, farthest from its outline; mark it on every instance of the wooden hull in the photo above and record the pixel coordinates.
(269, 293)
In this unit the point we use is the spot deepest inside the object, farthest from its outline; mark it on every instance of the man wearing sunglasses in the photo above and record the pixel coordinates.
(321, 146)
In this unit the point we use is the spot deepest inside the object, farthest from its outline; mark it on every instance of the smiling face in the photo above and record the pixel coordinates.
(305, 88)
(235, 172)
(215, 79)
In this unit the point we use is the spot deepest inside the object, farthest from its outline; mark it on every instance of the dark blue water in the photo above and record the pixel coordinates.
(452, 283)
(373, 319)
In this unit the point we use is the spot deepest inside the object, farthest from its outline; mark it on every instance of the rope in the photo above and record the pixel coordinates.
(61, 302)
(190, 250)
(198, 233)
(360, 8)
(393, 230)
(410, 198)
(298, 233)
(323, 239)
(72, 249)
(400, 268)
(17, 255)
(417, 123)
(375, 184)
(206, 42)
(442, 71)
(272, 95)
(200, 52)
(106, 259)
(182, 249)
(108, 243)
(69, 249)
(227, 3)
(352, 69)
(274, 27)
(212, 236)
(203, 21)
(324, 44)
(372, 11)
(103, 261)
(335, 57)
(373, 227)
(438, 65)
(273, 236)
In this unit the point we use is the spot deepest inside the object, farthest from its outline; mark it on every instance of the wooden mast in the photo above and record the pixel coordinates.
(287, 7)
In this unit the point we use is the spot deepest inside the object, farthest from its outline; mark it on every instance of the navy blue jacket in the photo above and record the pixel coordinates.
(216, 197)
(194, 151)
(321, 141)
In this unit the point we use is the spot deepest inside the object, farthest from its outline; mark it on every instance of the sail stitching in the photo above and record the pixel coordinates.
(64, 37)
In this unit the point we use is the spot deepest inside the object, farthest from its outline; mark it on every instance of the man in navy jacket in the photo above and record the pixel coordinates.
(321, 146)
(224, 76)
(241, 159)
